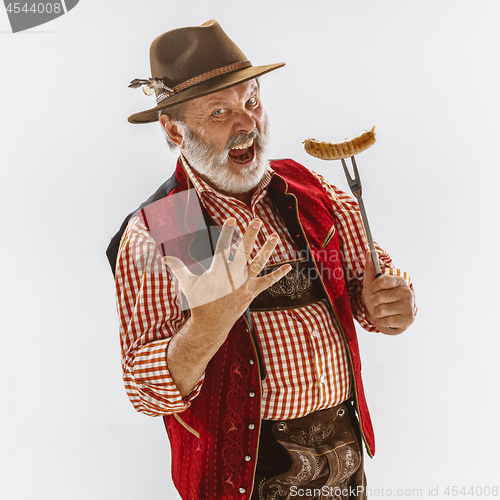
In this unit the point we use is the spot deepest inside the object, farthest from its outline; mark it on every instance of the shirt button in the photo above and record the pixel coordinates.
(243, 490)
(252, 362)
(252, 394)
(323, 379)
(315, 333)
(251, 426)
(248, 458)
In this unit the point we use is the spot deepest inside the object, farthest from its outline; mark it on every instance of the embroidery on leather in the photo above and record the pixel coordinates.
(349, 460)
(349, 467)
(273, 495)
(314, 436)
(304, 474)
(292, 285)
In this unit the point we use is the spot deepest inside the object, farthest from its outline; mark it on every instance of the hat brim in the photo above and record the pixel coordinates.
(205, 88)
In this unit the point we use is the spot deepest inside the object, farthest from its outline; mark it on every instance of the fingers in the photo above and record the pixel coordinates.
(260, 260)
(386, 282)
(370, 273)
(400, 307)
(226, 236)
(388, 289)
(232, 275)
(393, 307)
(394, 325)
(247, 243)
(270, 279)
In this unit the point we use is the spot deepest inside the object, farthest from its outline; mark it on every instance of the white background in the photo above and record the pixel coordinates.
(425, 72)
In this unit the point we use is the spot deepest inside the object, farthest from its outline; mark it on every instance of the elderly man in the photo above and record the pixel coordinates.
(237, 283)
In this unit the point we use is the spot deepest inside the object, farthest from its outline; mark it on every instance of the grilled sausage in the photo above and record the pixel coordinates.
(338, 150)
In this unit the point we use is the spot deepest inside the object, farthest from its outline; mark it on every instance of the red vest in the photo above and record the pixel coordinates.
(215, 441)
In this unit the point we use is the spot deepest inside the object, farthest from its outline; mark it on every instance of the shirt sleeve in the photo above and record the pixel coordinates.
(354, 246)
(150, 313)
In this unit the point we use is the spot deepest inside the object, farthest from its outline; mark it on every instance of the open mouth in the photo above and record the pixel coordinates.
(243, 153)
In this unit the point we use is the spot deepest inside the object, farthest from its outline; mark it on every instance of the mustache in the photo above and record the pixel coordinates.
(242, 139)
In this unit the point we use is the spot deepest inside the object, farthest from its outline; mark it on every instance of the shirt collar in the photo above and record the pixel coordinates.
(206, 191)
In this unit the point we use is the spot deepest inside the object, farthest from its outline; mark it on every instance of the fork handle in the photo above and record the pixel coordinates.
(373, 252)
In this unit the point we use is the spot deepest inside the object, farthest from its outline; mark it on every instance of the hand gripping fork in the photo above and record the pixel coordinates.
(355, 185)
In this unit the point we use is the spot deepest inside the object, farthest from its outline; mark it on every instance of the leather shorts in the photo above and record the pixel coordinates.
(318, 456)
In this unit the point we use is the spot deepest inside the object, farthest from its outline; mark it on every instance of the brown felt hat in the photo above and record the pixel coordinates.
(191, 62)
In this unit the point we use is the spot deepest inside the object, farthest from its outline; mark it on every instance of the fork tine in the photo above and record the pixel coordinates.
(346, 171)
(354, 184)
(357, 179)
(356, 173)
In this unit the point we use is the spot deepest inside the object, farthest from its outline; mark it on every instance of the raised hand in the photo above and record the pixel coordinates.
(225, 277)
(217, 299)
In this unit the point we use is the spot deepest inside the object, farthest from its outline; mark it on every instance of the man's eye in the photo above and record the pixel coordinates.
(252, 102)
(219, 112)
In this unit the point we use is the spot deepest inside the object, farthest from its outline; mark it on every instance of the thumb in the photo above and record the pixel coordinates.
(370, 273)
(177, 267)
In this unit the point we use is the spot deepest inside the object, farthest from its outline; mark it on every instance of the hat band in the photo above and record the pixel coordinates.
(202, 78)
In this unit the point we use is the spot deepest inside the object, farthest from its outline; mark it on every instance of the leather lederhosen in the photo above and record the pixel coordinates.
(315, 457)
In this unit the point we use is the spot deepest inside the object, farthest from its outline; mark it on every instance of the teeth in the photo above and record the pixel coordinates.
(244, 146)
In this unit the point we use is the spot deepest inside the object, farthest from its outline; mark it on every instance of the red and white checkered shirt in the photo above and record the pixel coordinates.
(304, 354)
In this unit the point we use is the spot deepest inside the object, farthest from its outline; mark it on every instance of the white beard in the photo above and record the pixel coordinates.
(215, 168)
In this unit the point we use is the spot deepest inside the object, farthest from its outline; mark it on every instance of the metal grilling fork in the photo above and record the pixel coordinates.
(355, 185)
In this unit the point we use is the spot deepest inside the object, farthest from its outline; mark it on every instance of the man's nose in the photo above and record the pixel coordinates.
(245, 122)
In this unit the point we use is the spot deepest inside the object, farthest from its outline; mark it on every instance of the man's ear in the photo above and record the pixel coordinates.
(173, 129)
